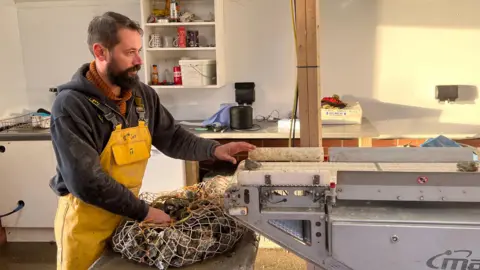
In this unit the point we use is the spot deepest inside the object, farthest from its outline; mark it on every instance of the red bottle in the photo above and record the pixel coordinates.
(182, 37)
(177, 75)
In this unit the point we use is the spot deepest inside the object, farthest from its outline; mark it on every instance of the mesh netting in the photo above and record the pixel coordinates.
(199, 230)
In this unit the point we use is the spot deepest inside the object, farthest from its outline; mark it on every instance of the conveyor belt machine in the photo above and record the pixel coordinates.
(365, 209)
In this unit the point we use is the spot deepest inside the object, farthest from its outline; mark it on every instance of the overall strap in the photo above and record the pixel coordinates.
(107, 112)
(140, 108)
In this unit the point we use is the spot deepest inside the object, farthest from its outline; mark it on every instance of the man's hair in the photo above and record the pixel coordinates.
(104, 29)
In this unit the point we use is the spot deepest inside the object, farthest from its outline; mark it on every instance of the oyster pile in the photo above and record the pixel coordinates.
(200, 230)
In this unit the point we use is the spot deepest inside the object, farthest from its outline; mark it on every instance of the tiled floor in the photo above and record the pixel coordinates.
(27, 256)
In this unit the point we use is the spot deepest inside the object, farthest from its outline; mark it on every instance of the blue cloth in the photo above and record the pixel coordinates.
(442, 141)
(222, 117)
(42, 114)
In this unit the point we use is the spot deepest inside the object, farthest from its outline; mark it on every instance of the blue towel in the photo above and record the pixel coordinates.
(442, 141)
(222, 117)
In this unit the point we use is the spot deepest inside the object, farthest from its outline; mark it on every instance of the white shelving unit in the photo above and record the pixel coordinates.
(209, 33)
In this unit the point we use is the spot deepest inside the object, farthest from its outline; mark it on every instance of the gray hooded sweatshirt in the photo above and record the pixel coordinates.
(80, 132)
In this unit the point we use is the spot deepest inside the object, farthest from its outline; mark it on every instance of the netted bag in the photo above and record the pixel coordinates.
(200, 230)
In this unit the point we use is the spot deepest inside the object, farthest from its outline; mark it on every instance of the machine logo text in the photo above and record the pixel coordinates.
(454, 260)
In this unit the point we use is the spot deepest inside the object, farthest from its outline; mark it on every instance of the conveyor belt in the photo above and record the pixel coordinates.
(300, 173)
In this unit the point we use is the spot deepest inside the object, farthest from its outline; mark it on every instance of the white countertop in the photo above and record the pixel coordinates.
(424, 128)
(420, 128)
(269, 130)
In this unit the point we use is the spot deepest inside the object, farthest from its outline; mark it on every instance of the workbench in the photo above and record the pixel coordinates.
(242, 257)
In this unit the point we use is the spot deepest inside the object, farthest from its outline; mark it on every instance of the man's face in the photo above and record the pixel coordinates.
(124, 60)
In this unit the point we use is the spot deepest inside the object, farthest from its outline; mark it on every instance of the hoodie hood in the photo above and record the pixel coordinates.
(80, 83)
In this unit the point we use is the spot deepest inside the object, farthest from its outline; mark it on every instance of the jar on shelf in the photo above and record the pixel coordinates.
(157, 9)
(155, 80)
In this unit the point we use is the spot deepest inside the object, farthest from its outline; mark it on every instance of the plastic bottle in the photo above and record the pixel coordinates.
(173, 11)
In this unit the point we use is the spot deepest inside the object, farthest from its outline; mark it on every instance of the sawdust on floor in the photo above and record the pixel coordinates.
(278, 259)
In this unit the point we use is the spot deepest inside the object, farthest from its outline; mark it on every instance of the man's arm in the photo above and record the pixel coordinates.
(79, 166)
(176, 142)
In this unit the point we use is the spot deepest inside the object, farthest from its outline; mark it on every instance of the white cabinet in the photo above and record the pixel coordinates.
(163, 173)
(26, 168)
(208, 23)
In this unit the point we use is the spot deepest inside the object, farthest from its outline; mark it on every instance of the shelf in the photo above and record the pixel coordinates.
(181, 24)
(183, 49)
(183, 87)
(209, 33)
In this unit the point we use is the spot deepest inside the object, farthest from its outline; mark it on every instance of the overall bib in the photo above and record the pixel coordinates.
(81, 230)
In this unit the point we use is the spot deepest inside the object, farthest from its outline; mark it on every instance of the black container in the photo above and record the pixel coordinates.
(241, 117)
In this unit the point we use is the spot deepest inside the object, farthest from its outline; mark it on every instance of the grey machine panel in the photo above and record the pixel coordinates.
(400, 154)
(408, 186)
(380, 238)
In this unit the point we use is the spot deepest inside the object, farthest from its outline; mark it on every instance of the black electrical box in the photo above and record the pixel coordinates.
(245, 93)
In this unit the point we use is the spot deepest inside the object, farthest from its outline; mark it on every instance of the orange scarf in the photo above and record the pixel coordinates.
(94, 77)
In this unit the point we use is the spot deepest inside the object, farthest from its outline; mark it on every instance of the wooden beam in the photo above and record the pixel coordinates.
(313, 61)
(308, 61)
(192, 173)
(3, 235)
(302, 73)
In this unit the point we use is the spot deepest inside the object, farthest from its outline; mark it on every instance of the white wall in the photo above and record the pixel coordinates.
(13, 97)
(256, 52)
(388, 54)
(390, 51)
(54, 36)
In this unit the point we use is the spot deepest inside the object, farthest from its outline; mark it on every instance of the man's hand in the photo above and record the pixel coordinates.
(226, 151)
(157, 216)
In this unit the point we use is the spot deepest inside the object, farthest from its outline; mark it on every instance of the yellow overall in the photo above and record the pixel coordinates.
(81, 230)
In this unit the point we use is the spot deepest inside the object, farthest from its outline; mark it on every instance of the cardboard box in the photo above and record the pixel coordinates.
(350, 115)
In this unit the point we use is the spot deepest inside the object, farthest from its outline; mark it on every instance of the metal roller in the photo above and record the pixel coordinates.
(289, 154)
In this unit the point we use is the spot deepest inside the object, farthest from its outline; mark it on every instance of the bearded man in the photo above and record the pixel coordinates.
(104, 122)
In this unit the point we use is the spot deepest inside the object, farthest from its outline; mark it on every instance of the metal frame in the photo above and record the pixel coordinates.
(347, 202)
(307, 239)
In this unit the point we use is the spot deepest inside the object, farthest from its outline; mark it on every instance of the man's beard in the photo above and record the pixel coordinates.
(122, 78)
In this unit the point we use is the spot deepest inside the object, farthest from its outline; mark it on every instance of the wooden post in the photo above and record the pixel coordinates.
(302, 74)
(192, 173)
(3, 235)
(308, 60)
